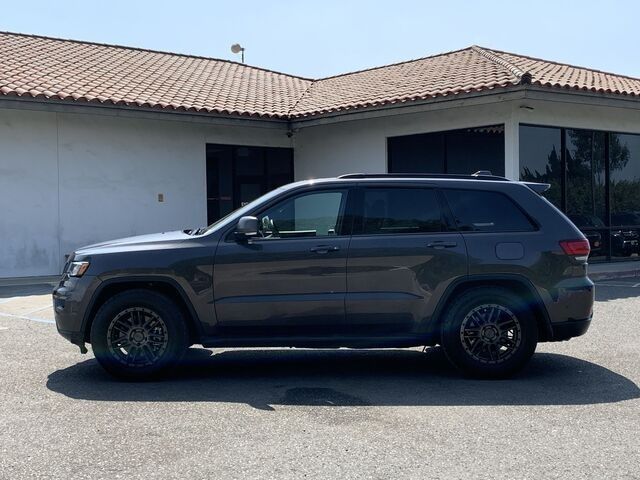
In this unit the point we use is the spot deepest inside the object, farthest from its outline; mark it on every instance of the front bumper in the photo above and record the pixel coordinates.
(70, 301)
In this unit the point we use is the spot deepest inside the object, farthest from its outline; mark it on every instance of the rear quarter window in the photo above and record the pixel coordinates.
(486, 211)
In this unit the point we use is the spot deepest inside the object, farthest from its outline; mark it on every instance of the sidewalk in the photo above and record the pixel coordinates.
(21, 281)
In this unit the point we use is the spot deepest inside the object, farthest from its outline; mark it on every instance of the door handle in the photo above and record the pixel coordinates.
(322, 249)
(442, 244)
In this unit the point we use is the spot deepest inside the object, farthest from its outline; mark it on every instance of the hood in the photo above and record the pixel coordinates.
(135, 243)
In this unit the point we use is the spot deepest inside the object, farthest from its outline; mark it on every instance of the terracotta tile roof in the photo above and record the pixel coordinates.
(56, 69)
(449, 74)
(553, 74)
(464, 71)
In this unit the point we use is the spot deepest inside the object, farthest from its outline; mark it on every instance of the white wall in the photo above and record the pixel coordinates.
(360, 145)
(69, 179)
(28, 194)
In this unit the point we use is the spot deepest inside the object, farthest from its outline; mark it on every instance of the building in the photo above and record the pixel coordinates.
(101, 141)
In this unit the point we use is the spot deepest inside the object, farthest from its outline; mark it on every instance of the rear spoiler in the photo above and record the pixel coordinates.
(539, 188)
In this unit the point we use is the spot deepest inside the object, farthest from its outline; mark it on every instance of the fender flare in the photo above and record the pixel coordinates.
(139, 279)
(487, 279)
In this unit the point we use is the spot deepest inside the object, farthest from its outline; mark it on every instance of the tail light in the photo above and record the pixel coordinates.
(579, 249)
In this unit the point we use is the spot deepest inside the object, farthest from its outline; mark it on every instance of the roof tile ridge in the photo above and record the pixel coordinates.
(523, 77)
(290, 113)
(565, 64)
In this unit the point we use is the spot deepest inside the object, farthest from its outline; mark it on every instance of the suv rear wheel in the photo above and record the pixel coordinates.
(488, 332)
(138, 334)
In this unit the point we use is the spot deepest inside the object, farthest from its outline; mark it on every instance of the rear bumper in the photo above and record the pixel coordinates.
(570, 329)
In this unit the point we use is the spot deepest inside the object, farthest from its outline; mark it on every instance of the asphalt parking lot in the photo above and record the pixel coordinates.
(274, 413)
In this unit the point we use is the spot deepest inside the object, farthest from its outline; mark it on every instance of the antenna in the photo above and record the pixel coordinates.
(237, 48)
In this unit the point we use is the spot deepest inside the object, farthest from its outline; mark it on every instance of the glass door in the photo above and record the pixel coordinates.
(237, 175)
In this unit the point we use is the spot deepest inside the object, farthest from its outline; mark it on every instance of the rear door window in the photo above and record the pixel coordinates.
(400, 211)
(486, 211)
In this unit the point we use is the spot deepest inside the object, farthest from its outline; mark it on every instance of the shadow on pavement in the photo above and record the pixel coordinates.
(262, 378)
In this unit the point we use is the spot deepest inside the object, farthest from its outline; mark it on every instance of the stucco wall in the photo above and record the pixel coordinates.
(69, 179)
(28, 194)
(360, 145)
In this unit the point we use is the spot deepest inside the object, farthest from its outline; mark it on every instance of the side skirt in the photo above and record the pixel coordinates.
(321, 342)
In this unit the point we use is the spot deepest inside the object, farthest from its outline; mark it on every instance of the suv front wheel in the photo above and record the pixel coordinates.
(489, 332)
(138, 334)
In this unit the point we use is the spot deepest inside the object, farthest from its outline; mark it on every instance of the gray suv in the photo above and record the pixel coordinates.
(483, 266)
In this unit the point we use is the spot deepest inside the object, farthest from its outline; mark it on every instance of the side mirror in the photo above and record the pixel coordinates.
(247, 227)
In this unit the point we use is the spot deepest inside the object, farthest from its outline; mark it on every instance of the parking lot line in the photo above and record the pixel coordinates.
(26, 317)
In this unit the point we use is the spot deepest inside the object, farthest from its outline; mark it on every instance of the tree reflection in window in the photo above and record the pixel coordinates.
(540, 159)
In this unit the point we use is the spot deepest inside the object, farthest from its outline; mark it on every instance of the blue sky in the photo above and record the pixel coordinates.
(326, 37)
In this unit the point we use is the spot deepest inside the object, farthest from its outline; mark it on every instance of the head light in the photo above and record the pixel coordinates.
(77, 269)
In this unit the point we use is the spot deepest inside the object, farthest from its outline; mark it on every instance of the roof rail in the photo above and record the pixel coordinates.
(480, 175)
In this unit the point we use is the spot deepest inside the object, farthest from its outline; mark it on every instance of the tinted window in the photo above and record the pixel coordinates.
(401, 210)
(454, 151)
(476, 149)
(624, 157)
(315, 214)
(237, 175)
(483, 211)
(540, 159)
(585, 157)
(423, 153)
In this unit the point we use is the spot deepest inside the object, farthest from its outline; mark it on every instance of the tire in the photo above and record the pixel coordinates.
(489, 332)
(139, 335)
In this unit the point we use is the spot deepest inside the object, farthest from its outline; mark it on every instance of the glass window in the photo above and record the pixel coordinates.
(484, 211)
(455, 151)
(600, 192)
(422, 153)
(585, 157)
(401, 210)
(219, 182)
(624, 165)
(474, 149)
(586, 186)
(316, 214)
(624, 157)
(236, 175)
(540, 159)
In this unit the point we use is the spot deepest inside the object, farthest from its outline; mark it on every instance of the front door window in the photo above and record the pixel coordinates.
(309, 215)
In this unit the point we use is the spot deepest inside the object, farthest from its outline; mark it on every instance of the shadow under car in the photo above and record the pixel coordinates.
(264, 378)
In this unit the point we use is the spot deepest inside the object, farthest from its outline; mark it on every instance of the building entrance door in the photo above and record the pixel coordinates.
(237, 175)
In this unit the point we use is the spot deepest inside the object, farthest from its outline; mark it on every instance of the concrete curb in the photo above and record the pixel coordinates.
(611, 271)
(24, 281)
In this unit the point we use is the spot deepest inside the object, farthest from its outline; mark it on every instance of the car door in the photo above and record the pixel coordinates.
(402, 257)
(291, 279)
